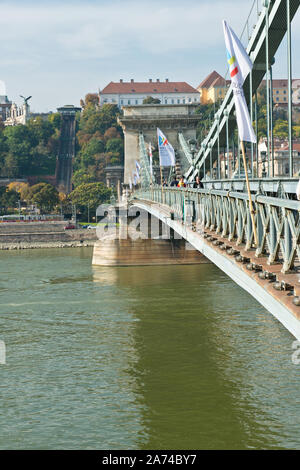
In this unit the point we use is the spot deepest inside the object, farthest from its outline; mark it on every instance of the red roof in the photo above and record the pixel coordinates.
(148, 87)
(218, 82)
(208, 81)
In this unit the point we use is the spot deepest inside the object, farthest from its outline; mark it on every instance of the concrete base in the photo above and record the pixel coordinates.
(128, 252)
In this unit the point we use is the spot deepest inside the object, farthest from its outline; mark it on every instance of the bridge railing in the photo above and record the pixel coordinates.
(227, 214)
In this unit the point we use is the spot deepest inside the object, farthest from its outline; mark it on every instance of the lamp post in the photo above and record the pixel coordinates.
(226, 113)
(209, 145)
(217, 119)
(192, 143)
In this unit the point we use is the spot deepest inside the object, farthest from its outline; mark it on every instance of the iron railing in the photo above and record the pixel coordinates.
(227, 214)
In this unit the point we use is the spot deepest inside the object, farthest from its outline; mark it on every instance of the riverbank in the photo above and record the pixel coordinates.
(29, 235)
(33, 245)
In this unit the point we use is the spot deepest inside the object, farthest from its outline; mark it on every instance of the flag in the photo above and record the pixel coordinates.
(137, 169)
(166, 151)
(150, 160)
(239, 65)
(134, 178)
(130, 184)
(298, 190)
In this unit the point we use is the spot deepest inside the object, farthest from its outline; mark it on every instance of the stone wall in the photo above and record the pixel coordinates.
(33, 232)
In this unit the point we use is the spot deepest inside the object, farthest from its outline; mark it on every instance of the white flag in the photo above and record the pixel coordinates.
(298, 190)
(134, 178)
(137, 169)
(150, 160)
(239, 65)
(166, 151)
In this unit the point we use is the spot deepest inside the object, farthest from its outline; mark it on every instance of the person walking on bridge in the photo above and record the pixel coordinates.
(174, 182)
(198, 183)
(181, 183)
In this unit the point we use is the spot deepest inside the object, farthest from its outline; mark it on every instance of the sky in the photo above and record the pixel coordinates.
(59, 51)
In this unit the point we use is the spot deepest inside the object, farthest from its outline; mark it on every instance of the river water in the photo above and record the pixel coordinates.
(169, 357)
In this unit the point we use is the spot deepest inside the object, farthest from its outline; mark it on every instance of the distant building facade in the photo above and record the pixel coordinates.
(281, 158)
(280, 91)
(5, 106)
(213, 88)
(133, 93)
(17, 115)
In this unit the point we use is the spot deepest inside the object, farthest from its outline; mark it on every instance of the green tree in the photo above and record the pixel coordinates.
(115, 146)
(8, 198)
(82, 176)
(89, 150)
(90, 194)
(151, 100)
(281, 129)
(44, 195)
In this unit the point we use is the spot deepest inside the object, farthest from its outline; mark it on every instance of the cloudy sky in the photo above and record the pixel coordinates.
(59, 51)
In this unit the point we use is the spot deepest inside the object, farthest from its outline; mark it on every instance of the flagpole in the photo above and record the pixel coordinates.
(161, 182)
(249, 195)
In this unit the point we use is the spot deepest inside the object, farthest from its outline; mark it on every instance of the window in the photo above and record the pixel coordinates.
(183, 101)
(284, 99)
(284, 92)
(190, 99)
(128, 101)
(166, 101)
(121, 101)
(136, 102)
(172, 101)
(277, 91)
(178, 101)
(195, 99)
(277, 99)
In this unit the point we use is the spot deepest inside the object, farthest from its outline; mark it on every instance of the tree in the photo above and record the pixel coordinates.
(151, 100)
(44, 195)
(90, 195)
(30, 149)
(90, 99)
(8, 198)
(281, 129)
(115, 146)
(89, 150)
(19, 187)
(82, 176)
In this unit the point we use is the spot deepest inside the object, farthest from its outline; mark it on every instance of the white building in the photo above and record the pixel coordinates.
(133, 93)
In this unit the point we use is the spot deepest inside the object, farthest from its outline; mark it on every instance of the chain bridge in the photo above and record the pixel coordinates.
(216, 220)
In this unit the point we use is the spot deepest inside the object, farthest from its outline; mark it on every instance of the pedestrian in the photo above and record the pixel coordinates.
(198, 183)
(174, 182)
(181, 183)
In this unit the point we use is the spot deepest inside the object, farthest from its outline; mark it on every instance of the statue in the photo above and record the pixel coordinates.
(25, 107)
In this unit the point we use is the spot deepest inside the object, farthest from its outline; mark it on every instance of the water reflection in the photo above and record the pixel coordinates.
(209, 358)
(139, 357)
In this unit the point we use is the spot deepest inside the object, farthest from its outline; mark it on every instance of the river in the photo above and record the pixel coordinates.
(169, 357)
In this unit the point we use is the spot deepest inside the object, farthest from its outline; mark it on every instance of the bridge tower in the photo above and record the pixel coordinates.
(145, 119)
(66, 153)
